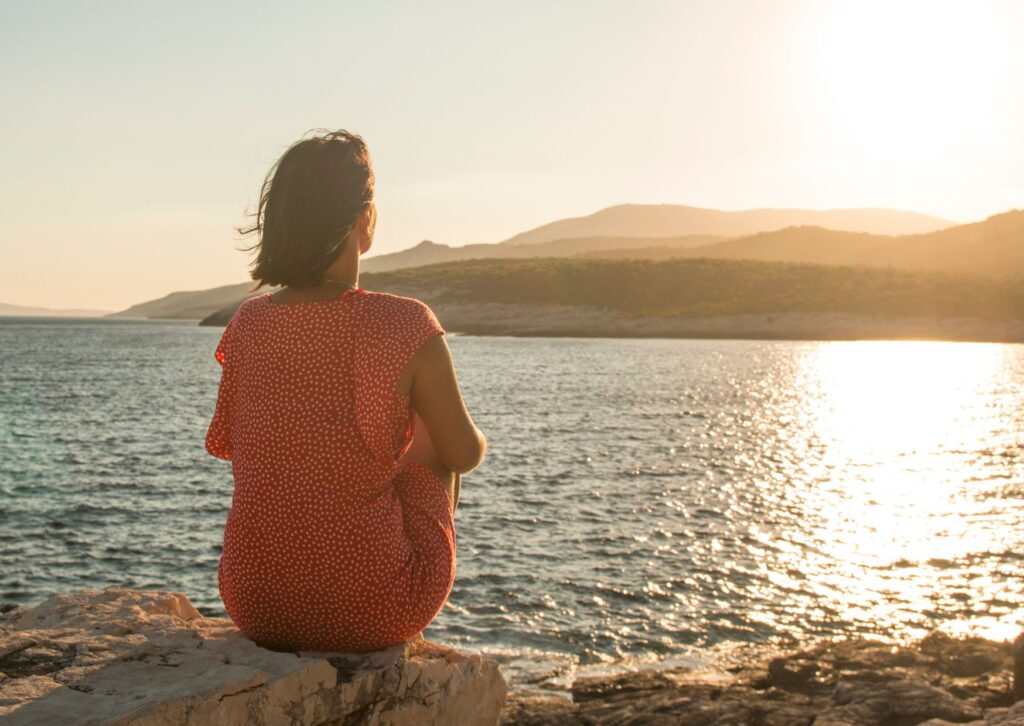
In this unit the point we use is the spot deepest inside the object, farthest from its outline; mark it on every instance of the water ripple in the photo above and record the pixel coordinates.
(639, 497)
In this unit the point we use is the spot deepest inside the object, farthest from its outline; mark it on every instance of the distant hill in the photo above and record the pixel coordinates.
(8, 310)
(197, 304)
(190, 304)
(662, 225)
(707, 287)
(812, 245)
(704, 298)
(625, 232)
(428, 253)
(664, 220)
(994, 246)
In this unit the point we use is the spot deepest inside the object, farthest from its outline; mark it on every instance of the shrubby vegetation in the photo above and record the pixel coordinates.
(690, 287)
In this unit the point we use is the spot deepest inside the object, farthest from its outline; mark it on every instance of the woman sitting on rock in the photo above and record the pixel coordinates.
(340, 412)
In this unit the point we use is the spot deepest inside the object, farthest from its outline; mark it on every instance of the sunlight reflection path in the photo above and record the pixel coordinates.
(891, 422)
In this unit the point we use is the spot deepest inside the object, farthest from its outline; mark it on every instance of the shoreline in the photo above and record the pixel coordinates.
(499, 319)
(766, 336)
(538, 320)
(520, 320)
(553, 672)
(149, 656)
(839, 681)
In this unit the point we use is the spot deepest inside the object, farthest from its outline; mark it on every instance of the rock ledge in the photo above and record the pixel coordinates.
(148, 658)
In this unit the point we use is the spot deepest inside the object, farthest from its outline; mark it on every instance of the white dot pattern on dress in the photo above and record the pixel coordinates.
(330, 543)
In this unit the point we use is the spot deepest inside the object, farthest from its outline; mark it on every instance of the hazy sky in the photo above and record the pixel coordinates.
(135, 135)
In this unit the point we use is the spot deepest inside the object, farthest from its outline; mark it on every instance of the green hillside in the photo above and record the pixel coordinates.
(811, 245)
(429, 253)
(693, 287)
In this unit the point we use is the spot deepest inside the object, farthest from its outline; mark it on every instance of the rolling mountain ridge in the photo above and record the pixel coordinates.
(663, 220)
(673, 225)
(429, 253)
(992, 247)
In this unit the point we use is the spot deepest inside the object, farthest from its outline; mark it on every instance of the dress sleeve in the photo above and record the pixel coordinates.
(418, 325)
(389, 337)
(218, 434)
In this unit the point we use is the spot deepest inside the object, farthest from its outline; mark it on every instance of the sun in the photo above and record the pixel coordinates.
(912, 81)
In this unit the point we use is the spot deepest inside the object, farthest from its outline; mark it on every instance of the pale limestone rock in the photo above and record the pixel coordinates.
(148, 658)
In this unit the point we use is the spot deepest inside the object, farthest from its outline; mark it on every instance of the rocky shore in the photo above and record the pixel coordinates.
(936, 681)
(120, 656)
(148, 658)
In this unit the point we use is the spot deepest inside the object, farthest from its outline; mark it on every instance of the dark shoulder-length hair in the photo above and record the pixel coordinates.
(309, 203)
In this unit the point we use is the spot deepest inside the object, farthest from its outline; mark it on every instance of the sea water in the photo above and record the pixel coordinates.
(640, 498)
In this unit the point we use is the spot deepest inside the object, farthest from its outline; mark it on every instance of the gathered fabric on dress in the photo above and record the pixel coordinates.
(331, 543)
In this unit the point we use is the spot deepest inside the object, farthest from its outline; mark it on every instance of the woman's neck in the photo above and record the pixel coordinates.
(340, 276)
(345, 269)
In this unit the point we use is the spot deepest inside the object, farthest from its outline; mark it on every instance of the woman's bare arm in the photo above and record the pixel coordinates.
(437, 400)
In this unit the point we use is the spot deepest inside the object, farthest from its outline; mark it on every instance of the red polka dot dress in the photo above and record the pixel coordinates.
(330, 544)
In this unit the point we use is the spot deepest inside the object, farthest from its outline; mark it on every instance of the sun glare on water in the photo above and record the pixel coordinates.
(900, 400)
(892, 423)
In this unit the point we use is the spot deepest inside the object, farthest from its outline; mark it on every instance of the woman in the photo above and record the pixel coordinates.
(340, 412)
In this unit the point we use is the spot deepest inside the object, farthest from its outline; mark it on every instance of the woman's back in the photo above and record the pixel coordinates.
(331, 542)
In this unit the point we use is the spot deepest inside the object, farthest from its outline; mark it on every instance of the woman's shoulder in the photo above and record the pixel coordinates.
(398, 312)
(251, 303)
(387, 303)
(246, 309)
